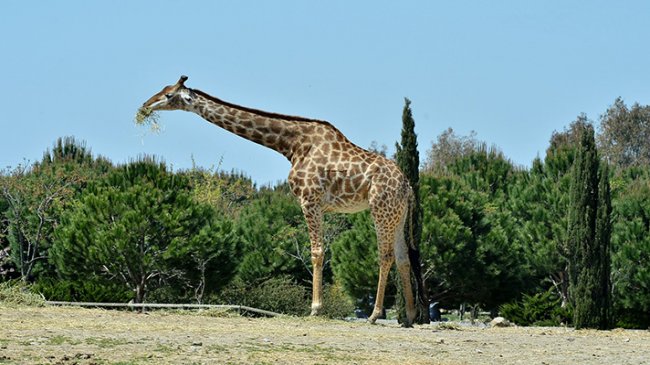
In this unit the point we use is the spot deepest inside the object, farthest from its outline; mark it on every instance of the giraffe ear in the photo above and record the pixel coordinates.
(187, 96)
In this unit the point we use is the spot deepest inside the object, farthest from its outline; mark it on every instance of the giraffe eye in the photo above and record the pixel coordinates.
(169, 95)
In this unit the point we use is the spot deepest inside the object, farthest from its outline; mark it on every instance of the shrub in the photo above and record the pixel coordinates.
(19, 293)
(336, 303)
(279, 295)
(282, 295)
(541, 309)
(82, 291)
(630, 318)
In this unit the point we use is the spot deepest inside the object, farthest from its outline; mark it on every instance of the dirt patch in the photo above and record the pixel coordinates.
(51, 335)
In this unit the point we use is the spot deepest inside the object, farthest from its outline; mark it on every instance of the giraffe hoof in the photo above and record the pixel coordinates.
(373, 317)
(315, 310)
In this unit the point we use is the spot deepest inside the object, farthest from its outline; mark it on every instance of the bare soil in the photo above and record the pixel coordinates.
(52, 335)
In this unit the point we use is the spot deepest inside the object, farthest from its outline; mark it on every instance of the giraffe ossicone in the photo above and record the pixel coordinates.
(328, 174)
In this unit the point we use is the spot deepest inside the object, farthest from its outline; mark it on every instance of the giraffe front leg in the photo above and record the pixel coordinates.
(317, 258)
(314, 216)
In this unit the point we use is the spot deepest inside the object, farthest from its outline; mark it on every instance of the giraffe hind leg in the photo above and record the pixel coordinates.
(404, 269)
(385, 263)
(385, 229)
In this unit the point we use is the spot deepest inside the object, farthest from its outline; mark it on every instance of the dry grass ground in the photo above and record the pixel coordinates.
(51, 335)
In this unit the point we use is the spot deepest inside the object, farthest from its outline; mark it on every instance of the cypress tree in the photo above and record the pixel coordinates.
(588, 237)
(408, 159)
(603, 245)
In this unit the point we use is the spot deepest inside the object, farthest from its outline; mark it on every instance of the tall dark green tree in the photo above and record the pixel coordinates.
(408, 159)
(588, 237)
(603, 245)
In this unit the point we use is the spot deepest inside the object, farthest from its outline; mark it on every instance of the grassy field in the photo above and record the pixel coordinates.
(53, 335)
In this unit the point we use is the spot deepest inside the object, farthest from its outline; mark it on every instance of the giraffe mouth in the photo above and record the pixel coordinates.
(154, 105)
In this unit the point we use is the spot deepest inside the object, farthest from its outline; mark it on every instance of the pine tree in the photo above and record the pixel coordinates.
(408, 159)
(588, 237)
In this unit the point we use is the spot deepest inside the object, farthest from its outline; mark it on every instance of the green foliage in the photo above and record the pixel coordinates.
(625, 134)
(35, 197)
(469, 241)
(448, 148)
(539, 309)
(493, 232)
(485, 169)
(539, 202)
(129, 228)
(355, 261)
(280, 294)
(206, 259)
(227, 193)
(274, 237)
(631, 247)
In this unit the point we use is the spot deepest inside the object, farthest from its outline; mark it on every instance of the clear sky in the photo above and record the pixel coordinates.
(513, 71)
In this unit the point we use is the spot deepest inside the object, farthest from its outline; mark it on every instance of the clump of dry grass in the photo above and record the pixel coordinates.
(146, 116)
(14, 293)
(448, 326)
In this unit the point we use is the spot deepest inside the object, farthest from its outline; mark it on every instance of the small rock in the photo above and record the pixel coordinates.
(500, 322)
(197, 343)
(479, 351)
(626, 340)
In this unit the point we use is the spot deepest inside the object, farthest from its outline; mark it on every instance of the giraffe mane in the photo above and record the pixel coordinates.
(262, 112)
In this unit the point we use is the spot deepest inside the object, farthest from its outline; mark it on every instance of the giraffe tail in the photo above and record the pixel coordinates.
(422, 302)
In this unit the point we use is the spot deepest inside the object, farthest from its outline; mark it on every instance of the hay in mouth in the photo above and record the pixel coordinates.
(146, 116)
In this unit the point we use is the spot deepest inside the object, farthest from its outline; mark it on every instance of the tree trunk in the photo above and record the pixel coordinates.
(140, 292)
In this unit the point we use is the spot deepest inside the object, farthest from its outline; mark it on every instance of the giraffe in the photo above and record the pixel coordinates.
(328, 174)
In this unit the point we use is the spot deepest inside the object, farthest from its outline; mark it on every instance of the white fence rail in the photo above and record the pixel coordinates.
(239, 308)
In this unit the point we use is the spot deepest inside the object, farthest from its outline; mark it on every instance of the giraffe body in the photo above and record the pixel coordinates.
(328, 174)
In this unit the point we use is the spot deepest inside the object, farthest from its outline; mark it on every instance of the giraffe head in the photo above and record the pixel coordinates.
(172, 97)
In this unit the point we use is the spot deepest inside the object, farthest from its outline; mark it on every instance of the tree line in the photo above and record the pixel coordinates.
(503, 237)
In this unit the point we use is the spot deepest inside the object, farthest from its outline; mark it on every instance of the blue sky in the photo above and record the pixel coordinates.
(513, 71)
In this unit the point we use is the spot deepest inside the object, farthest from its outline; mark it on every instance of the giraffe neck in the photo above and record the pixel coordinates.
(274, 131)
